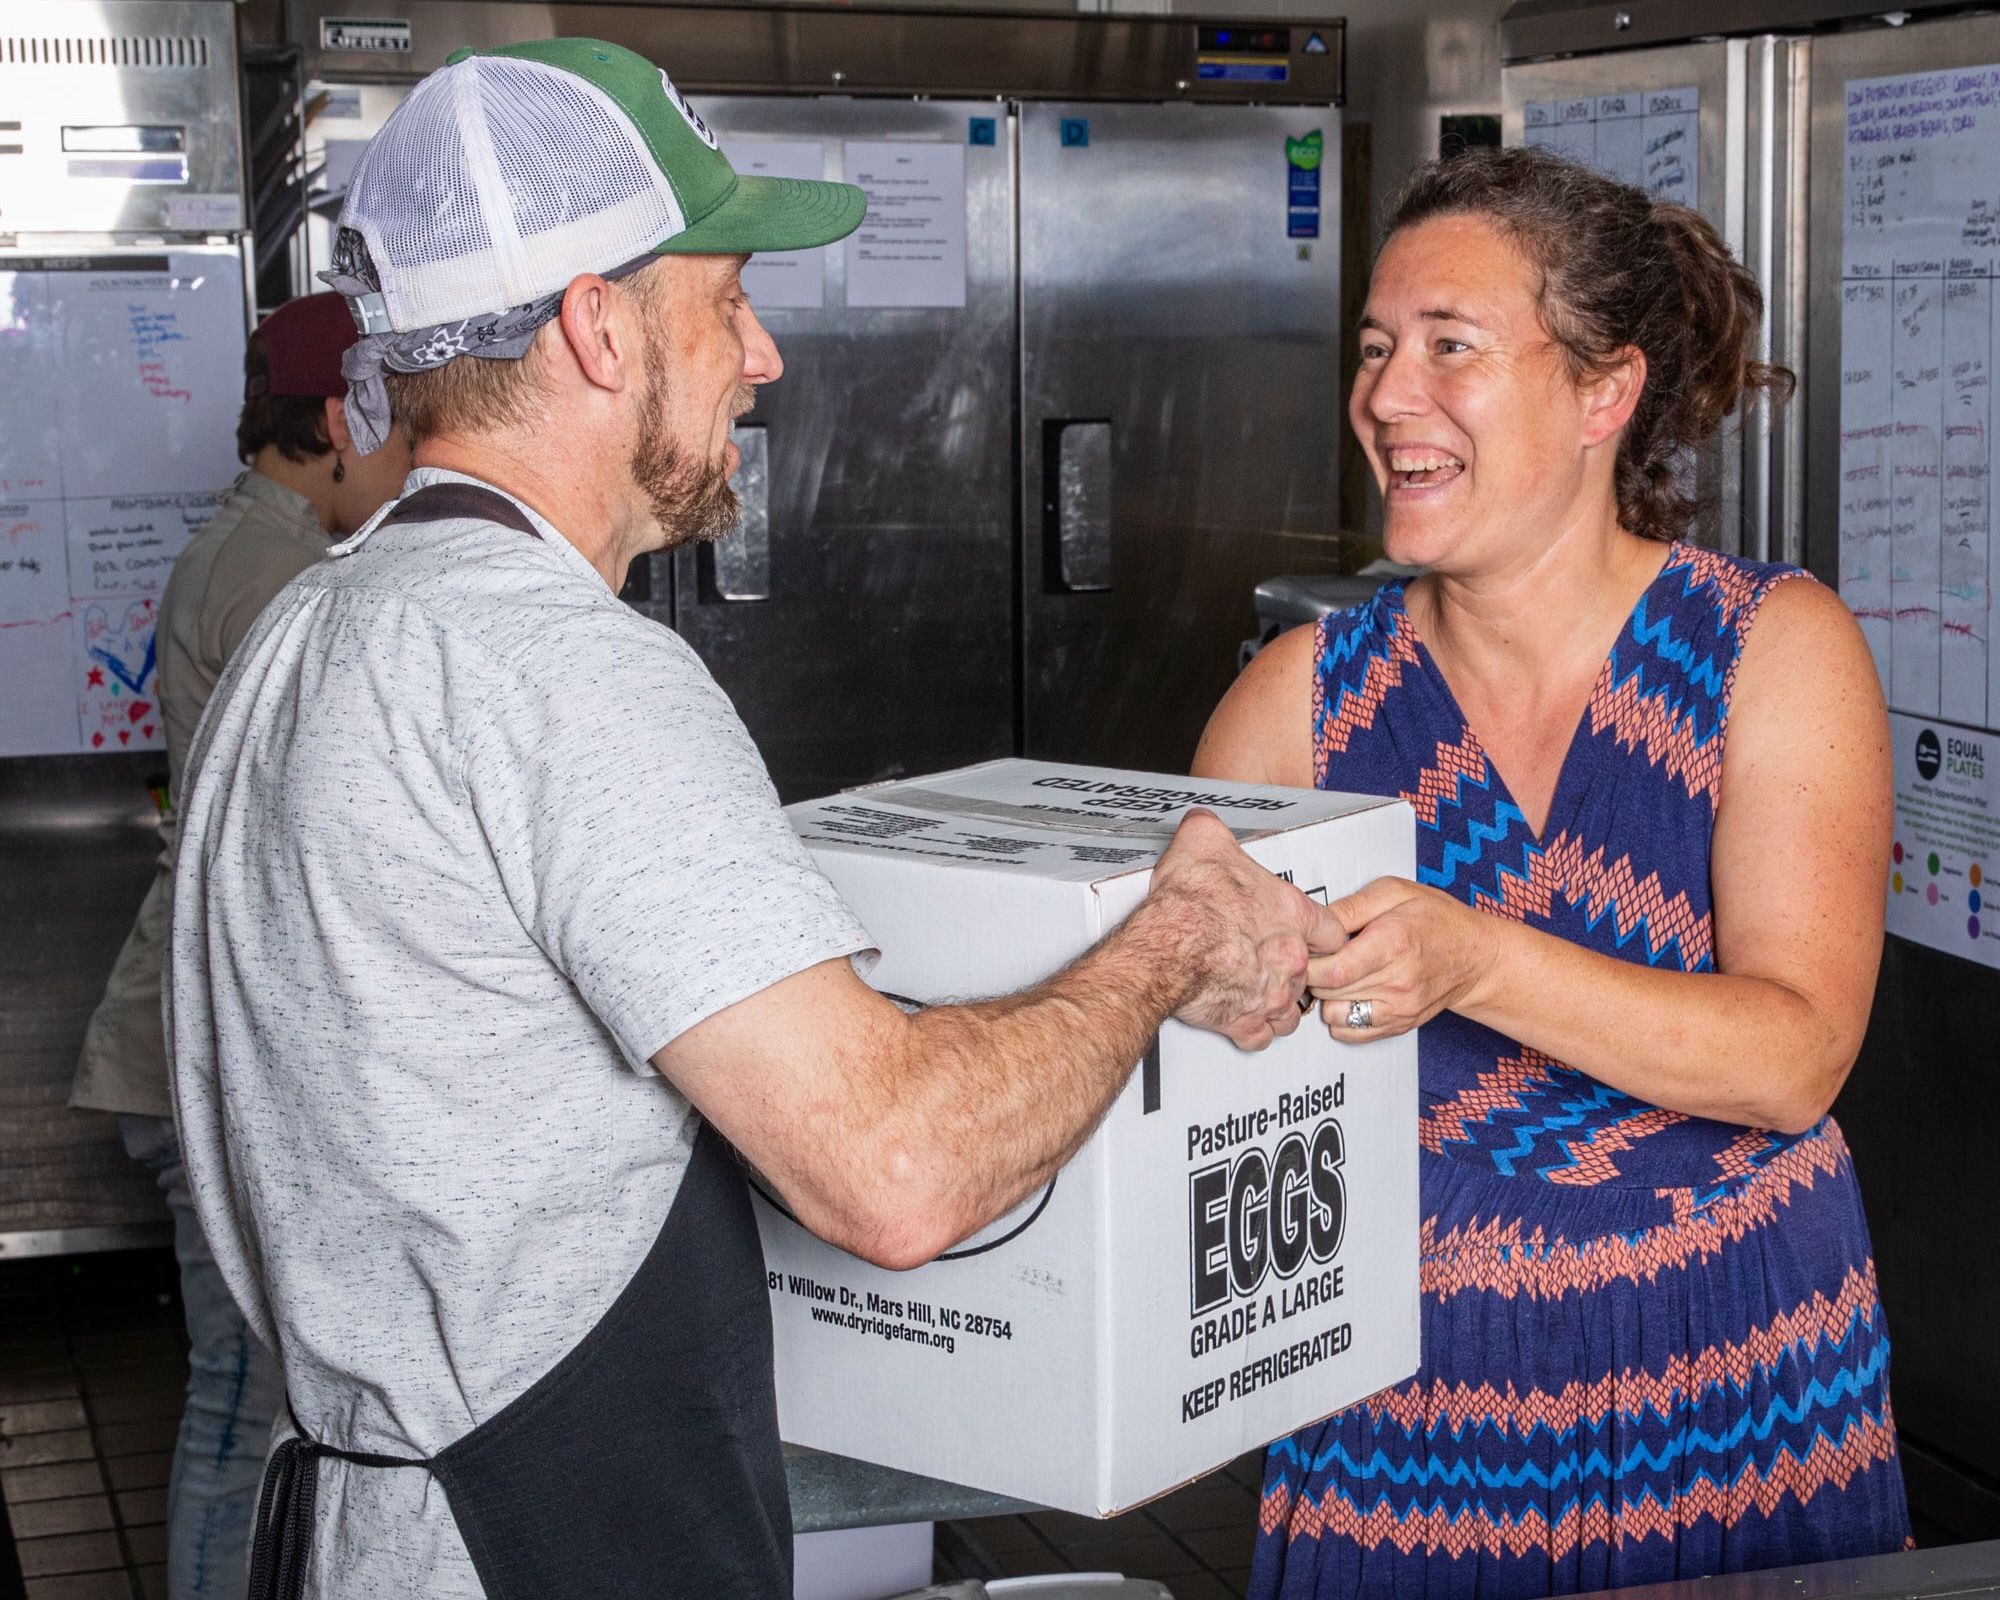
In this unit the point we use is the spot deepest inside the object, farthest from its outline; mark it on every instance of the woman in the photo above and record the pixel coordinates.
(1653, 819)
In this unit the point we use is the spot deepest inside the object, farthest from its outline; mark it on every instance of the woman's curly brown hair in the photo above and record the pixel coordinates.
(1620, 270)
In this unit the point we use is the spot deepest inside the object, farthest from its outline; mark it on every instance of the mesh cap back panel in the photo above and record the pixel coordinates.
(498, 181)
(562, 149)
(410, 197)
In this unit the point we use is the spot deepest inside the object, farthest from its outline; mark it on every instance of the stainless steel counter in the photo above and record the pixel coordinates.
(838, 1492)
(1960, 1569)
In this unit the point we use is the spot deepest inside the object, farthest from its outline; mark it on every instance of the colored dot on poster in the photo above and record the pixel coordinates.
(1930, 894)
(1972, 926)
(1897, 853)
(1972, 901)
(1975, 875)
(1896, 883)
(1934, 863)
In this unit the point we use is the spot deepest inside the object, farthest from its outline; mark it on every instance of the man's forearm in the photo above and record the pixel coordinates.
(992, 1099)
(895, 1136)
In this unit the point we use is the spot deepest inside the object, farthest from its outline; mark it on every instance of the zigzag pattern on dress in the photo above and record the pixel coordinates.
(1746, 1153)
(1581, 877)
(1354, 706)
(1734, 583)
(1503, 1258)
(1504, 828)
(1590, 1156)
(1631, 1395)
(1508, 1087)
(1639, 717)
(1866, 1441)
(1454, 766)
(1498, 1465)
(1567, 1108)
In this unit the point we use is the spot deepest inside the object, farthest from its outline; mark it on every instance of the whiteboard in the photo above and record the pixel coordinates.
(1650, 138)
(1919, 344)
(120, 379)
(1919, 550)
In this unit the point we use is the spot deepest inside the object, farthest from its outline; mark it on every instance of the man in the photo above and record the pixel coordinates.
(305, 481)
(493, 932)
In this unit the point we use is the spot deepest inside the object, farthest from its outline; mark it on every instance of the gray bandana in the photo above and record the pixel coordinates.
(493, 335)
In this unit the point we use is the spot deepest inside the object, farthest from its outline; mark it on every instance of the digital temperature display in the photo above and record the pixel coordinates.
(1244, 41)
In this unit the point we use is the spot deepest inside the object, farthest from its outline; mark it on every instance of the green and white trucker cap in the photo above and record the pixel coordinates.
(507, 173)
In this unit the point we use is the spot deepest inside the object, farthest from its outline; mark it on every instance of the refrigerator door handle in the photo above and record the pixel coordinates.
(741, 562)
(1076, 506)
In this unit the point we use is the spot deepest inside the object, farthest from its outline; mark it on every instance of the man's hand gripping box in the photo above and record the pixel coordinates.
(1233, 1253)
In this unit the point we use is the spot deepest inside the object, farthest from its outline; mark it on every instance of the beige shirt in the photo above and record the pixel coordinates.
(264, 536)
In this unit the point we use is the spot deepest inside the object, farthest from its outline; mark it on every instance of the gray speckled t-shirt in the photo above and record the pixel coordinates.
(464, 841)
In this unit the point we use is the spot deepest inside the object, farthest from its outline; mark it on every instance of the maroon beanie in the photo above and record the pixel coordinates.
(303, 342)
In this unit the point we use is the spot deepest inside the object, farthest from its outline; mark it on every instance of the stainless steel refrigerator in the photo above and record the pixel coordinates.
(1180, 409)
(1020, 507)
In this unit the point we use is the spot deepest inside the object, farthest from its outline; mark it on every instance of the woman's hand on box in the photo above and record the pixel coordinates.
(1411, 953)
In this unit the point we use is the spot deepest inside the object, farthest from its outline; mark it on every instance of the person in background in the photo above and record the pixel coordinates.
(305, 482)
(1652, 786)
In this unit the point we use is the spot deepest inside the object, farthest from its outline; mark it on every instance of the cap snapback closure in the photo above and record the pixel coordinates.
(370, 313)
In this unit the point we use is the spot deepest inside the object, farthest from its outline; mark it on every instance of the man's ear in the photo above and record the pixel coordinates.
(592, 333)
(335, 424)
(1611, 396)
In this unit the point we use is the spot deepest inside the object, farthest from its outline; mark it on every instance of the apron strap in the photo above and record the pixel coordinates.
(285, 1508)
(442, 502)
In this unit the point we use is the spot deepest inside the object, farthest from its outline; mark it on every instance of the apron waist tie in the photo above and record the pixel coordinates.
(285, 1509)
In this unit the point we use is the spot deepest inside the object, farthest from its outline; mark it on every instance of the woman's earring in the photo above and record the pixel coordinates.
(339, 467)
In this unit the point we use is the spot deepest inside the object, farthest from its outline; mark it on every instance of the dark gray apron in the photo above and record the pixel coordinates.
(646, 1462)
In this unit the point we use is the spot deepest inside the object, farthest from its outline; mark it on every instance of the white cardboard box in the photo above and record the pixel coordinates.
(1234, 1252)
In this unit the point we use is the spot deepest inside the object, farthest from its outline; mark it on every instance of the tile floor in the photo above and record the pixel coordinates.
(92, 1364)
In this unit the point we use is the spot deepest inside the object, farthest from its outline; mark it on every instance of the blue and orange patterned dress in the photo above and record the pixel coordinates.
(1652, 1343)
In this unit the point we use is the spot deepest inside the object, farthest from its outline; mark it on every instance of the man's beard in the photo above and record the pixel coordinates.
(691, 498)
